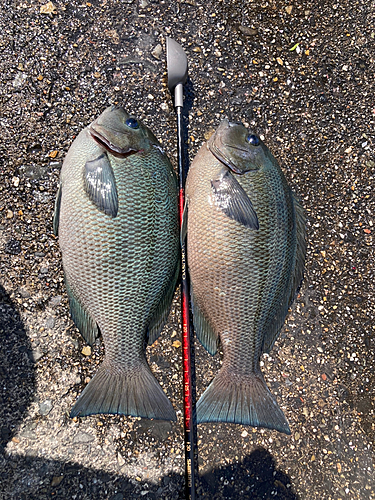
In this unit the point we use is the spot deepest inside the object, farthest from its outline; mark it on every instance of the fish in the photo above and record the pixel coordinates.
(116, 217)
(246, 246)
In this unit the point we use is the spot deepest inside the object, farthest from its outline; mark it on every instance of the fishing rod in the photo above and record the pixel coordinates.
(177, 76)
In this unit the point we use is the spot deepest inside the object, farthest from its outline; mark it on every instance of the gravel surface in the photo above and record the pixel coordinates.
(301, 74)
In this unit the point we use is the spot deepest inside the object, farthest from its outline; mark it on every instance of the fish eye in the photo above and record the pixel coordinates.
(132, 123)
(253, 140)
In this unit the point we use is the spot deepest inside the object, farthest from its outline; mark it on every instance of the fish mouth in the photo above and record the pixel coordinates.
(109, 146)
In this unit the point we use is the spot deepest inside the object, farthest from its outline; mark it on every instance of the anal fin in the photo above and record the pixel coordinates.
(82, 319)
(161, 314)
(205, 334)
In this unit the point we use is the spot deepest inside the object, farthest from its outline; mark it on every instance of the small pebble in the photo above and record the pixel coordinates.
(13, 247)
(36, 354)
(83, 437)
(45, 407)
(157, 51)
(120, 460)
(247, 31)
(56, 480)
(47, 8)
(50, 323)
(86, 351)
(55, 301)
(19, 80)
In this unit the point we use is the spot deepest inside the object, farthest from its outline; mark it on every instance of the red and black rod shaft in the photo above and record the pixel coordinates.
(177, 76)
(186, 349)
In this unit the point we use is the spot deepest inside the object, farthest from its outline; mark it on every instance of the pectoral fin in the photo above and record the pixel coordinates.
(100, 184)
(232, 199)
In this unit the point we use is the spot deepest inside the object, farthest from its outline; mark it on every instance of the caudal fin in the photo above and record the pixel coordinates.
(116, 390)
(242, 400)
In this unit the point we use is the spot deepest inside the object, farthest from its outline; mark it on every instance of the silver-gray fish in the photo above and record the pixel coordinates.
(245, 250)
(116, 217)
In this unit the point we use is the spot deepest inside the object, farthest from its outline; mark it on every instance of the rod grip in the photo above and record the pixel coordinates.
(179, 95)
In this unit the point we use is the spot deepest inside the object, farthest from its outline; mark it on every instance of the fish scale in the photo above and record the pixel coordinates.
(245, 249)
(121, 270)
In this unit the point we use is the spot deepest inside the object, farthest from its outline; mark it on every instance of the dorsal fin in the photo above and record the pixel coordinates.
(277, 323)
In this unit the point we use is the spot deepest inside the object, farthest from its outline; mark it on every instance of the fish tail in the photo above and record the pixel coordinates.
(125, 391)
(242, 400)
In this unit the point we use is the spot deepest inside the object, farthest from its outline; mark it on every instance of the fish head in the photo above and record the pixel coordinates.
(238, 148)
(120, 133)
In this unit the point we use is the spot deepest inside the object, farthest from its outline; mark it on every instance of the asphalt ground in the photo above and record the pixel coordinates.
(300, 74)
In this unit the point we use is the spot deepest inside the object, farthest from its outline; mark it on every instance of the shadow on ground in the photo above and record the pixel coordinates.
(16, 369)
(34, 477)
(255, 478)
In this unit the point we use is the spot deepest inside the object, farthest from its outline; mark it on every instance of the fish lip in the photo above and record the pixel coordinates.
(109, 146)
